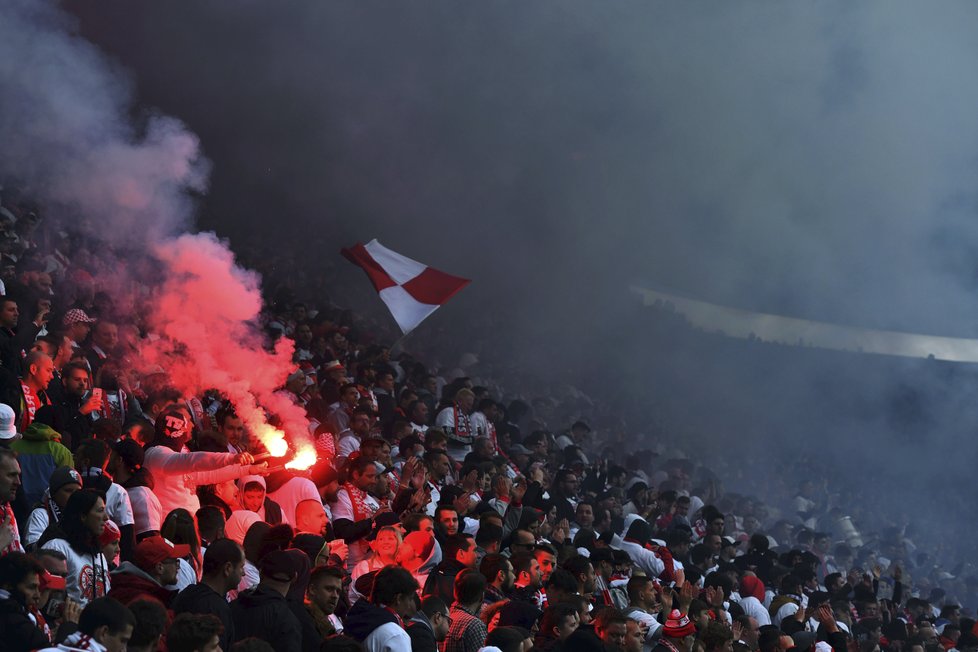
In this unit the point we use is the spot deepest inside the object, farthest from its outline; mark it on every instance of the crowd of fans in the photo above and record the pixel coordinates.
(443, 512)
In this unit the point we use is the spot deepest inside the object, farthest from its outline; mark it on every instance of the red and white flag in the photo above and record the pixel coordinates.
(411, 290)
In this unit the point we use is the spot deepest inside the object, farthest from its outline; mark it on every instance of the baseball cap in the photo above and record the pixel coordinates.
(7, 428)
(51, 582)
(153, 550)
(76, 316)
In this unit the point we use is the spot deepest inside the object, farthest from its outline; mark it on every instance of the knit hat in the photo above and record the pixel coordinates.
(8, 429)
(752, 586)
(110, 534)
(172, 429)
(678, 625)
(278, 565)
(63, 475)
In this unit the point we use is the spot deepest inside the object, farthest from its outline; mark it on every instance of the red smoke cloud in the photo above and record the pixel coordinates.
(204, 325)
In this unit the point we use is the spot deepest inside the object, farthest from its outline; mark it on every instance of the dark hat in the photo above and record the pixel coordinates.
(278, 565)
(64, 475)
(803, 640)
(517, 613)
(130, 452)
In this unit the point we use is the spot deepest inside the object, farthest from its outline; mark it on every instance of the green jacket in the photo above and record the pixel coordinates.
(40, 452)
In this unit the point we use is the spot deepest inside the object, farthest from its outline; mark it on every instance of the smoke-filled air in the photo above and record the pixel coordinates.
(684, 290)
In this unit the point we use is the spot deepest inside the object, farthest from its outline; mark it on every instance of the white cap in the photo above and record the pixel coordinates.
(7, 417)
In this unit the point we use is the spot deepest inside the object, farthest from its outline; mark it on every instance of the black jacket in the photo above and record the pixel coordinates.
(266, 614)
(441, 580)
(14, 344)
(19, 631)
(202, 599)
(421, 633)
(363, 618)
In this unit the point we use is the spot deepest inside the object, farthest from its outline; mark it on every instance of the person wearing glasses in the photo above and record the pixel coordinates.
(429, 626)
(522, 541)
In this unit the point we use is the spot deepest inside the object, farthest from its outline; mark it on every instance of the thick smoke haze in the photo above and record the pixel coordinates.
(73, 141)
(813, 160)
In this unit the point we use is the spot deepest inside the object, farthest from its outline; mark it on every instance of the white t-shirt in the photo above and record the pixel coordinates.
(446, 421)
(84, 573)
(147, 512)
(37, 522)
(118, 506)
(753, 607)
(293, 492)
(185, 576)
(348, 444)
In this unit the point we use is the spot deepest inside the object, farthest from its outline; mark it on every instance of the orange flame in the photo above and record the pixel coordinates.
(304, 458)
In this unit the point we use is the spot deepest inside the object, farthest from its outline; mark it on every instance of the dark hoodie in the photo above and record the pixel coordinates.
(19, 631)
(441, 580)
(363, 618)
(202, 599)
(264, 613)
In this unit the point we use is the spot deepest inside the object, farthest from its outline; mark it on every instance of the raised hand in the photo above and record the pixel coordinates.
(686, 594)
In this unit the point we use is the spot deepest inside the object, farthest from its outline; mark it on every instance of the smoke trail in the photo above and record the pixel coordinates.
(68, 138)
(70, 141)
(206, 314)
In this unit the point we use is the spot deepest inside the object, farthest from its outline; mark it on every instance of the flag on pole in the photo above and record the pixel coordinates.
(411, 290)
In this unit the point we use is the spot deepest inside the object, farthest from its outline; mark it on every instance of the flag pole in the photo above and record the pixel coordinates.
(399, 341)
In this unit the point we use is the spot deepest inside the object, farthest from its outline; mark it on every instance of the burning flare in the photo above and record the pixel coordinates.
(304, 458)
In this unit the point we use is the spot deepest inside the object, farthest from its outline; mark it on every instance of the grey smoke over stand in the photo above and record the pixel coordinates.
(814, 161)
(71, 142)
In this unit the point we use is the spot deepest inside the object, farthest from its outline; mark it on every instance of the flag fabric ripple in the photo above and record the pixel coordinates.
(411, 290)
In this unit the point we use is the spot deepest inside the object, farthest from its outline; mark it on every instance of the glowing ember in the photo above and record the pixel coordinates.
(304, 458)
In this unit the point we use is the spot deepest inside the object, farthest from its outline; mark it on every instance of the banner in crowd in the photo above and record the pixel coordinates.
(746, 324)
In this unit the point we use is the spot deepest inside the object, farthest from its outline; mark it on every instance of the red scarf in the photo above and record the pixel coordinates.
(32, 402)
(358, 498)
(400, 621)
(15, 545)
(462, 432)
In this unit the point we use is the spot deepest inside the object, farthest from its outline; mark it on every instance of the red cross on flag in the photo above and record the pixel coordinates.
(411, 290)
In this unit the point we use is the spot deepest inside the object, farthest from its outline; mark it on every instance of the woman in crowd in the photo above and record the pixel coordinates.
(76, 536)
(384, 553)
(126, 465)
(179, 527)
